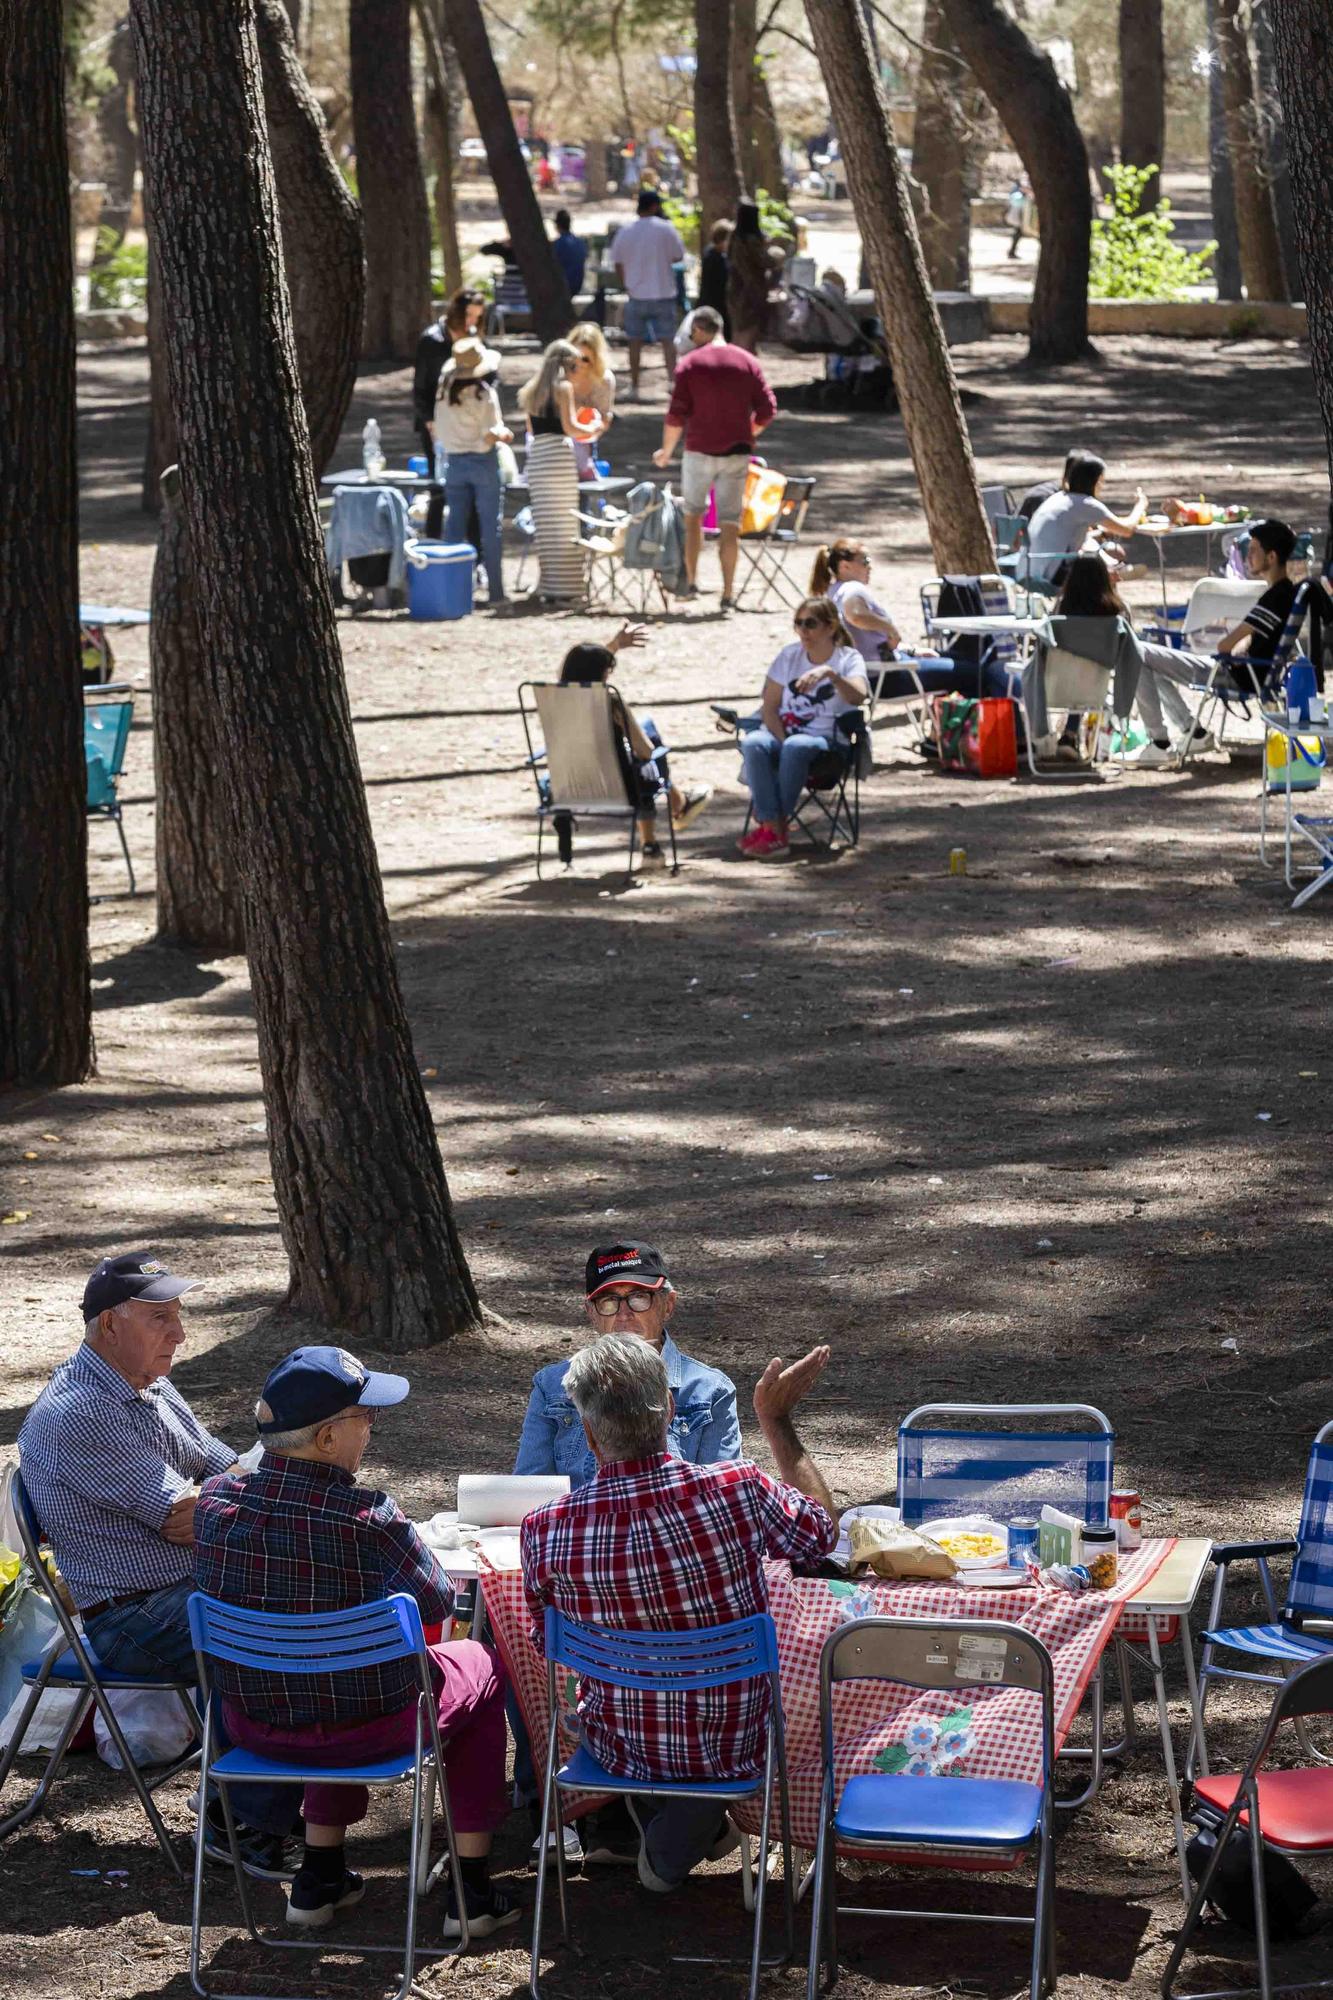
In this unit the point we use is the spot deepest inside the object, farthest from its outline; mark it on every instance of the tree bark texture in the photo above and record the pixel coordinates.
(362, 1200)
(440, 130)
(120, 155)
(1303, 48)
(389, 179)
(45, 998)
(946, 114)
(922, 370)
(543, 280)
(198, 894)
(717, 164)
(1034, 108)
(322, 248)
(1143, 91)
(1256, 218)
(1274, 133)
(159, 450)
(768, 170)
(744, 76)
(1222, 193)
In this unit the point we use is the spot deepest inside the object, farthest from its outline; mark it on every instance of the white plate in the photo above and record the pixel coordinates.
(991, 1579)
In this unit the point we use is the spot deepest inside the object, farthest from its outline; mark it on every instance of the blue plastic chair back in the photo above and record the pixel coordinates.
(325, 1642)
(24, 1511)
(1310, 1589)
(703, 1656)
(944, 1472)
(106, 730)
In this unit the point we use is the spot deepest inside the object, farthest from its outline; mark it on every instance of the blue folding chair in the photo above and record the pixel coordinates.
(107, 714)
(1220, 687)
(69, 1663)
(679, 1664)
(329, 1642)
(1303, 1630)
(938, 1819)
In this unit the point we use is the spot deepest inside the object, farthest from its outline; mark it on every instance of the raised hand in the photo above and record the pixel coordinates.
(780, 1388)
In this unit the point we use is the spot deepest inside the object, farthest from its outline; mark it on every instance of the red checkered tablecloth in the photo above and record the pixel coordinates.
(973, 1732)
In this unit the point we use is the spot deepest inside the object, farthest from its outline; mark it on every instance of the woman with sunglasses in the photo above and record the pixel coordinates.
(811, 684)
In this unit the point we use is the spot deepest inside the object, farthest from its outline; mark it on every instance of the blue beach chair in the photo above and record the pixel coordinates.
(107, 714)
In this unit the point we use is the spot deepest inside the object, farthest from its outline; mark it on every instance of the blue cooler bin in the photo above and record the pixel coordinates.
(439, 579)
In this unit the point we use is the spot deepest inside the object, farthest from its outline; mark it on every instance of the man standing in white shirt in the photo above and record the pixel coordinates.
(646, 253)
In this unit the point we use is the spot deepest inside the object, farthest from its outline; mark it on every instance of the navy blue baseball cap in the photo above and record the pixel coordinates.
(313, 1383)
(136, 1275)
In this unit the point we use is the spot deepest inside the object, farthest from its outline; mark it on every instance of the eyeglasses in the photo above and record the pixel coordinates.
(808, 624)
(608, 1304)
(367, 1417)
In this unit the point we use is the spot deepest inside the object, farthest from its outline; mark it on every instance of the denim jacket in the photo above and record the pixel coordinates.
(704, 1430)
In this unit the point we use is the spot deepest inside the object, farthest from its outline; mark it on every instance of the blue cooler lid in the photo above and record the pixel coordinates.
(442, 552)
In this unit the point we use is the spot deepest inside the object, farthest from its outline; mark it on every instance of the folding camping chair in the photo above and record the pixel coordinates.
(611, 581)
(944, 1470)
(1216, 603)
(70, 1664)
(1303, 1630)
(510, 302)
(333, 1642)
(832, 785)
(767, 553)
(998, 502)
(108, 711)
(1290, 1811)
(1219, 687)
(1075, 674)
(674, 1664)
(588, 775)
(970, 1822)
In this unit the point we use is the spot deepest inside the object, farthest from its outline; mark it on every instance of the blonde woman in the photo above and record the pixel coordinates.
(593, 383)
(549, 404)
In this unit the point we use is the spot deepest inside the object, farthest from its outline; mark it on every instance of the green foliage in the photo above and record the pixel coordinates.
(122, 281)
(1134, 252)
(775, 216)
(597, 29)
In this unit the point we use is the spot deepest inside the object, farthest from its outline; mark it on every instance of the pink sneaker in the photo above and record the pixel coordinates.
(769, 845)
(746, 843)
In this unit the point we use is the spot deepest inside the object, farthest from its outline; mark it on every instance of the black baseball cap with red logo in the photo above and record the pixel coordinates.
(625, 1264)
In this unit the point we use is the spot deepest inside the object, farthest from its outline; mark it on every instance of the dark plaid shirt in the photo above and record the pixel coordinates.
(299, 1538)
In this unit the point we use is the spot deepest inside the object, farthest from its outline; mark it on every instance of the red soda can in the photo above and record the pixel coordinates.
(1126, 1512)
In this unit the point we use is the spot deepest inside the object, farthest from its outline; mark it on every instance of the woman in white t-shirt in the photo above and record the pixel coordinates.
(813, 681)
(1077, 516)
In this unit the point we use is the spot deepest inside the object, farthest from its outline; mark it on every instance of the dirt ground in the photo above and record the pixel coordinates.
(996, 1137)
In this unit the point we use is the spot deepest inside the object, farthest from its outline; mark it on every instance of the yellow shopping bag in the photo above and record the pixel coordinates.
(763, 499)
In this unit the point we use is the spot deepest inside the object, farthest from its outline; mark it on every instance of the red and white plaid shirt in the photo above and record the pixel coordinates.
(655, 1544)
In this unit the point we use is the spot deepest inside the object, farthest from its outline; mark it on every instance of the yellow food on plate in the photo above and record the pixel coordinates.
(966, 1546)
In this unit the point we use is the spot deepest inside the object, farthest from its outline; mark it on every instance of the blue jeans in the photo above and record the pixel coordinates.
(474, 479)
(776, 770)
(152, 1636)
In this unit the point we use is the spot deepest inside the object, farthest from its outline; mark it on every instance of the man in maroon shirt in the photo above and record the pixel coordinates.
(720, 401)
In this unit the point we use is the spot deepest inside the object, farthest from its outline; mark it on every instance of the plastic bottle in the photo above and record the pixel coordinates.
(441, 463)
(372, 455)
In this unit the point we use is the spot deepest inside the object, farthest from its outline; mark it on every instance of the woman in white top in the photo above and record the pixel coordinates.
(469, 424)
(553, 480)
(842, 573)
(594, 386)
(811, 683)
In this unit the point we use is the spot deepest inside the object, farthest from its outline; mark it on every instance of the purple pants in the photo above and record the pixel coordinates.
(470, 1684)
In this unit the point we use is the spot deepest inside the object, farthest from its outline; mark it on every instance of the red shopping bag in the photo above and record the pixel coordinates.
(976, 736)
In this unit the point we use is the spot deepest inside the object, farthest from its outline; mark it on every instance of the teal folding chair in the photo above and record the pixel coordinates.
(107, 714)
(936, 1819)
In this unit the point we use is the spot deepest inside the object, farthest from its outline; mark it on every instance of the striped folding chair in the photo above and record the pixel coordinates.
(1303, 1629)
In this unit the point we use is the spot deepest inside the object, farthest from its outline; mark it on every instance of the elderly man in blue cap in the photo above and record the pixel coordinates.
(111, 1454)
(300, 1535)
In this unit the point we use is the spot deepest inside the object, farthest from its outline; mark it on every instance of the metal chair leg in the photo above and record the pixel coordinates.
(74, 1722)
(125, 849)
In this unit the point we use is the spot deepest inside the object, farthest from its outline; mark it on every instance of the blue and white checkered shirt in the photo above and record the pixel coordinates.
(103, 1462)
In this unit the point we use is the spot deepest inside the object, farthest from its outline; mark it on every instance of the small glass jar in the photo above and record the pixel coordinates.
(1100, 1557)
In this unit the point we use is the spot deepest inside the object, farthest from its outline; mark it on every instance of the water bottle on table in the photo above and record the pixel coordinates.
(372, 453)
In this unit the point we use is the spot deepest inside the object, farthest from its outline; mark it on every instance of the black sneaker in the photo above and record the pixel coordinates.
(269, 1857)
(610, 1837)
(314, 1900)
(488, 1910)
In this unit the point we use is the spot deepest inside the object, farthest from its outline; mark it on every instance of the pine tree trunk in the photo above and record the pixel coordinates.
(45, 999)
(1303, 48)
(744, 75)
(389, 179)
(1256, 219)
(362, 1200)
(1034, 108)
(543, 280)
(1143, 91)
(768, 169)
(322, 247)
(1273, 132)
(440, 130)
(922, 371)
(120, 157)
(717, 166)
(159, 450)
(1222, 193)
(946, 111)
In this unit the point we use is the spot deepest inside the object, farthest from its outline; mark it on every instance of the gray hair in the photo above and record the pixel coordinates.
(618, 1385)
(295, 1440)
(92, 1327)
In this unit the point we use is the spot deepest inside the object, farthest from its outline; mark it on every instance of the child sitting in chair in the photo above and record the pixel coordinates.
(588, 666)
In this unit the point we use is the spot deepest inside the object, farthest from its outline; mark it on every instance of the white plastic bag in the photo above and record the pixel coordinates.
(24, 1636)
(43, 1732)
(154, 1725)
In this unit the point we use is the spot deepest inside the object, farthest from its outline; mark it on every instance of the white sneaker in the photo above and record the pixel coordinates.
(572, 1844)
(1155, 757)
